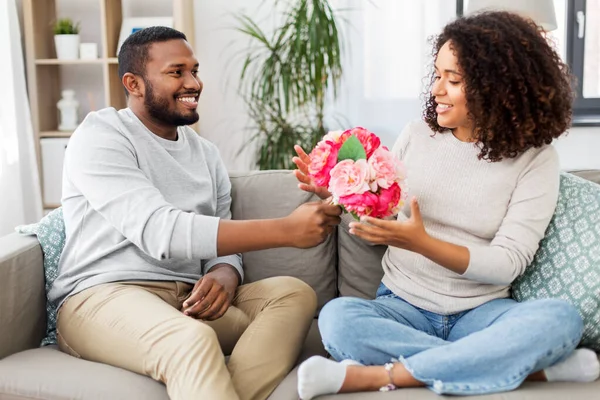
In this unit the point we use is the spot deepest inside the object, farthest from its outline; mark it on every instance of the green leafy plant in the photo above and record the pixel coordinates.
(65, 26)
(286, 76)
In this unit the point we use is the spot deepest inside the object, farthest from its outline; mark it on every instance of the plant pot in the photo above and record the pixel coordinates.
(67, 47)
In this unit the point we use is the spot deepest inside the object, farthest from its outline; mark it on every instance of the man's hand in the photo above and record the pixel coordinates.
(212, 294)
(311, 223)
(305, 182)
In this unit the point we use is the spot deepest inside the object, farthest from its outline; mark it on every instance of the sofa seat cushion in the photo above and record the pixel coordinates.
(47, 373)
(529, 391)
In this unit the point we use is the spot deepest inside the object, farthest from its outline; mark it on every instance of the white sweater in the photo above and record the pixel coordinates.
(139, 207)
(499, 211)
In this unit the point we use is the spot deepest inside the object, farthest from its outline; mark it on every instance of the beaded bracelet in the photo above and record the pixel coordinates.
(389, 367)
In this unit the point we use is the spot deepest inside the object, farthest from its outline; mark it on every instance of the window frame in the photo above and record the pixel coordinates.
(586, 112)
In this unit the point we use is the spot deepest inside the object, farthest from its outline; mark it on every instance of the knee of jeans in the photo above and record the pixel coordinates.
(337, 321)
(562, 316)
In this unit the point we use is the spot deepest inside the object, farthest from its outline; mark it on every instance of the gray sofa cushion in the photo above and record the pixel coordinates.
(589, 174)
(22, 295)
(274, 194)
(47, 373)
(359, 264)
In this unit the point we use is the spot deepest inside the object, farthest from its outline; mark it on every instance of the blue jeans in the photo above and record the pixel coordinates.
(491, 348)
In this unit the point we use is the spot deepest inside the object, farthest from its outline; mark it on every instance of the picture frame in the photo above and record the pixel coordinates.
(133, 24)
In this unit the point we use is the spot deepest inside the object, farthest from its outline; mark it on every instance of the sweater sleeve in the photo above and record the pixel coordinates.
(102, 164)
(529, 212)
(223, 212)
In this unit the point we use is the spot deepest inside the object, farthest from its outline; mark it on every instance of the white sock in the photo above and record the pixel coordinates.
(581, 366)
(318, 375)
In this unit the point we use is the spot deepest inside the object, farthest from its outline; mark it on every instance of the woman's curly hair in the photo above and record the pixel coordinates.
(518, 90)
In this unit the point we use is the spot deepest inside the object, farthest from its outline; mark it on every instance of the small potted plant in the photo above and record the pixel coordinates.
(66, 39)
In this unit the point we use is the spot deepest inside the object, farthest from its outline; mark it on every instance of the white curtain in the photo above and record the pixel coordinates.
(20, 198)
(388, 52)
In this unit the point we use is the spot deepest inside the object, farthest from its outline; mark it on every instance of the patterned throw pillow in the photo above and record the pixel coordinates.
(50, 232)
(567, 264)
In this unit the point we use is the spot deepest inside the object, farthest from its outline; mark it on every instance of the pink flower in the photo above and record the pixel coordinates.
(374, 186)
(385, 169)
(336, 136)
(360, 204)
(389, 201)
(368, 139)
(349, 177)
(322, 160)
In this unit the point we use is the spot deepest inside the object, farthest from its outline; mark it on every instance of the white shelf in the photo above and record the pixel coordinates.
(55, 134)
(56, 61)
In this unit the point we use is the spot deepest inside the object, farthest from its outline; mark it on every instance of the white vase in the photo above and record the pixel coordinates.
(67, 47)
(68, 107)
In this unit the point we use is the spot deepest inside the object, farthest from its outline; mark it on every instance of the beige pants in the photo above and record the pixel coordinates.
(139, 326)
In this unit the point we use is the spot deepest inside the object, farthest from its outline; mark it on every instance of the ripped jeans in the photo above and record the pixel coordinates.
(491, 348)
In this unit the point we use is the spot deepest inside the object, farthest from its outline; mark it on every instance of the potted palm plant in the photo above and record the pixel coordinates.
(66, 39)
(286, 77)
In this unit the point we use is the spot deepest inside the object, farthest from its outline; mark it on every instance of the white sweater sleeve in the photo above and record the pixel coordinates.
(102, 164)
(529, 212)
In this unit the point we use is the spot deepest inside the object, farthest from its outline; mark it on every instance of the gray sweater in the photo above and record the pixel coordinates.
(139, 207)
(499, 211)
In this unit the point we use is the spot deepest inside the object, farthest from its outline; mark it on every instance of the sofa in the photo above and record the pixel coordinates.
(341, 266)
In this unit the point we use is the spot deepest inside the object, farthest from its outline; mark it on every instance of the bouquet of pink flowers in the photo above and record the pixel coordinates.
(363, 177)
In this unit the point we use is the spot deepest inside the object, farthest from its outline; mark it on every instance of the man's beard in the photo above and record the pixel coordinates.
(159, 109)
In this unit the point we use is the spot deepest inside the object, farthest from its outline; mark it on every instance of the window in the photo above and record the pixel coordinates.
(583, 55)
(392, 29)
(577, 40)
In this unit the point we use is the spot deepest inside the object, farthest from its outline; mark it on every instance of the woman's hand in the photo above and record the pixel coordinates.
(408, 235)
(305, 181)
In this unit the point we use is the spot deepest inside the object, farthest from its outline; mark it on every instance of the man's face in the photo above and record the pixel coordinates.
(172, 87)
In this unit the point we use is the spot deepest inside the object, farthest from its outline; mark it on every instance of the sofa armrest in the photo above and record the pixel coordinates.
(22, 294)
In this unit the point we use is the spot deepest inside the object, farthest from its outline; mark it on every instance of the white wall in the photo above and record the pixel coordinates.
(223, 118)
(579, 148)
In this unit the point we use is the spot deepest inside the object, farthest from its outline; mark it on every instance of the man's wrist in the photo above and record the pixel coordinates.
(281, 231)
(227, 269)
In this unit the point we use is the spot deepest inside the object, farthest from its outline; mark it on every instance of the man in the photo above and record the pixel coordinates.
(149, 275)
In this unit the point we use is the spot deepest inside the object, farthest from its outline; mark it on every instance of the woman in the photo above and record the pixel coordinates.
(487, 181)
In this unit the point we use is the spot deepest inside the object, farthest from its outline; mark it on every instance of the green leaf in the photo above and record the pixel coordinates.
(352, 149)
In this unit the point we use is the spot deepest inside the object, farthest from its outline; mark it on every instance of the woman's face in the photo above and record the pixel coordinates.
(449, 93)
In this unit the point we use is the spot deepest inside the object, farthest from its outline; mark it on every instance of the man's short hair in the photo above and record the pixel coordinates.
(133, 54)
